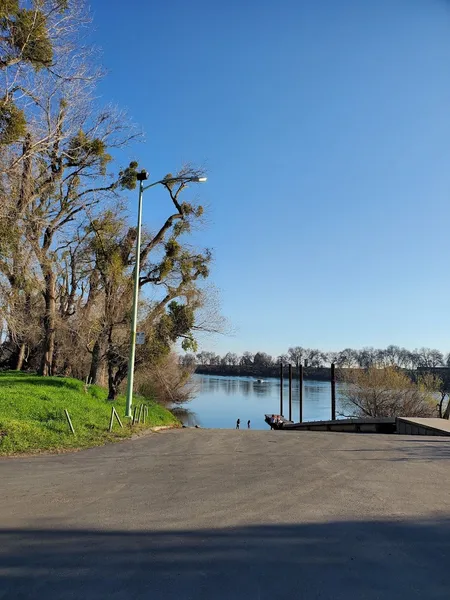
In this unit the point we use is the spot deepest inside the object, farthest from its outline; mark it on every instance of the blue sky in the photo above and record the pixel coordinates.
(325, 129)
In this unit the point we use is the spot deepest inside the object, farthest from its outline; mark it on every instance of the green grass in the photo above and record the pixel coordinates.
(32, 415)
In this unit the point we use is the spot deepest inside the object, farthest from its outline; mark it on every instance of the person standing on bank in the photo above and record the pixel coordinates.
(248, 424)
(238, 422)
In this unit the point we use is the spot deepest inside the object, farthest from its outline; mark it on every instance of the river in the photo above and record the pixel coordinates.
(220, 401)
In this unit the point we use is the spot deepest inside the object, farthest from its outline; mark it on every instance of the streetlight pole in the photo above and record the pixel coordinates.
(141, 177)
(137, 269)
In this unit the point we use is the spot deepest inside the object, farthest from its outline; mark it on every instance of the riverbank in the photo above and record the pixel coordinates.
(309, 373)
(32, 417)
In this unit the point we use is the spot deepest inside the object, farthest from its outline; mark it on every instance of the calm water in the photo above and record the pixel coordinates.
(222, 400)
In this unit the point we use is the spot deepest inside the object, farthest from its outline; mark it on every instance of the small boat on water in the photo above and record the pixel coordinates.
(260, 381)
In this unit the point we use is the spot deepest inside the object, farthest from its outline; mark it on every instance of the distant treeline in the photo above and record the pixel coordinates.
(311, 373)
(311, 358)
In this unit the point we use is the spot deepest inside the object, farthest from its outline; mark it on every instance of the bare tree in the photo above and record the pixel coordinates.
(313, 358)
(296, 355)
(203, 357)
(368, 357)
(261, 359)
(347, 358)
(430, 358)
(188, 361)
(386, 392)
(167, 381)
(230, 359)
(247, 359)
(282, 359)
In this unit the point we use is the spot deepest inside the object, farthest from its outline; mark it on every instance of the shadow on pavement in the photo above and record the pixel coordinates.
(361, 560)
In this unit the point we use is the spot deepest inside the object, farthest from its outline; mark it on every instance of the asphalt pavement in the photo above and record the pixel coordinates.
(221, 514)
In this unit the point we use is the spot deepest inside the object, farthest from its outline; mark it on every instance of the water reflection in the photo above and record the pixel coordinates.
(229, 385)
(222, 400)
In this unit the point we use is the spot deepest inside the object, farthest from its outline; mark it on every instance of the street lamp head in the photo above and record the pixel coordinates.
(199, 179)
(142, 176)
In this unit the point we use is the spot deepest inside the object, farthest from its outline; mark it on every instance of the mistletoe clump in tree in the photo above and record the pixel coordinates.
(28, 33)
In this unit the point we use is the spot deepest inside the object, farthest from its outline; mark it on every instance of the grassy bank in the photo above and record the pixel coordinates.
(32, 415)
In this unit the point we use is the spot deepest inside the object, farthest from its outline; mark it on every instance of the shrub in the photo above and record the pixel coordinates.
(167, 381)
(387, 392)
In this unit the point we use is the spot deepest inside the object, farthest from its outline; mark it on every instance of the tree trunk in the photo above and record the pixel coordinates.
(49, 324)
(23, 346)
(113, 386)
(21, 356)
(96, 361)
(447, 410)
(115, 379)
(102, 374)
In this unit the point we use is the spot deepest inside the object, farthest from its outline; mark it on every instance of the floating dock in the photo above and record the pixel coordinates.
(418, 426)
(390, 425)
(369, 425)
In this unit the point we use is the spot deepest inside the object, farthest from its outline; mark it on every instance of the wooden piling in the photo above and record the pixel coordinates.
(69, 421)
(290, 392)
(111, 421)
(333, 392)
(281, 389)
(300, 391)
(116, 414)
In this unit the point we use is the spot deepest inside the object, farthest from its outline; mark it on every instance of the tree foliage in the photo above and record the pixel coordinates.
(67, 249)
(12, 122)
(25, 32)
